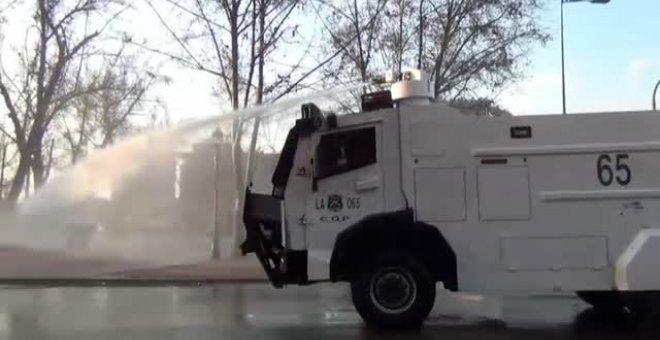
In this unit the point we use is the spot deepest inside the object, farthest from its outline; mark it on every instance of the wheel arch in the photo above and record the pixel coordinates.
(394, 230)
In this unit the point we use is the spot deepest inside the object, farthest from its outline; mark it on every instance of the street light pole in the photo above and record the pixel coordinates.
(655, 95)
(563, 71)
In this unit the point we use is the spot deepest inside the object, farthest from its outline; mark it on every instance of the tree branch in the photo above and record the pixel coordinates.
(174, 35)
(13, 115)
(216, 46)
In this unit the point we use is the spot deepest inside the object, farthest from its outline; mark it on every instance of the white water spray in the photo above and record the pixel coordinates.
(108, 169)
(50, 218)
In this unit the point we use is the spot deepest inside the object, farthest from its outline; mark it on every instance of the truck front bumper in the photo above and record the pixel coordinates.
(262, 216)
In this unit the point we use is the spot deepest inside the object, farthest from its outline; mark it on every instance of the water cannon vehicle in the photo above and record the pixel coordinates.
(411, 193)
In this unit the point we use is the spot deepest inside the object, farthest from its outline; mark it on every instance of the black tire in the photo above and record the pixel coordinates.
(394, 290)
(604, 300)
(644, 307)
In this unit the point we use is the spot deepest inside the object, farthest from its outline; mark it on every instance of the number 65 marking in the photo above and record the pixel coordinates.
(606, 175)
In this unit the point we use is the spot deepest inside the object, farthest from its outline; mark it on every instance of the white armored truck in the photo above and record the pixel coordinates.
(410, 193)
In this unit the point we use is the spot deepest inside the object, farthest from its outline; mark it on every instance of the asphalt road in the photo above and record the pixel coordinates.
(257, 311)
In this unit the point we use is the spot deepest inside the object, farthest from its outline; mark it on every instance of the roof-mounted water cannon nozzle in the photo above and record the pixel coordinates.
(390, 77)
(411, 87)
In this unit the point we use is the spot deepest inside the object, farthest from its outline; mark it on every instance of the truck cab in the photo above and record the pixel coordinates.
(410, 193)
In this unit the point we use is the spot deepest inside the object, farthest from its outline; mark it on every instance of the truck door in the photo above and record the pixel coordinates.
(347, 185)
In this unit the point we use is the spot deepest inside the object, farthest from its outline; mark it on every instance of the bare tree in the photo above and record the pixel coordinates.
(4, 6)
(469, 46)
(44, 83)
(100, 116)
(243, 67)
(241, 43)
(479, 106)
(3, 164)
(78, 137)
(253, 49)
(398, 37)
(119, 105)
(478, 44)
(354, 28)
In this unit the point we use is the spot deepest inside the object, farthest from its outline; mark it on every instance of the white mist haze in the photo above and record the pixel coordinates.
(54, 214)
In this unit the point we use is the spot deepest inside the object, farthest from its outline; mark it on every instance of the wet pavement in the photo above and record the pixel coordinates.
(22, 265)
(257, 311)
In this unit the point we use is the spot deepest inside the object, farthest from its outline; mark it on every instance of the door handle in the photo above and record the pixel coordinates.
(367, 184)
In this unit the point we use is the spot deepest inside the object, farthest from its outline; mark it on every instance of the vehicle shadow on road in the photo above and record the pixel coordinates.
(589, 324)
(604, 324)
(614, 324)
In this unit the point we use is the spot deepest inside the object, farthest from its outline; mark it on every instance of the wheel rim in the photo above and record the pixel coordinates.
(393, 289)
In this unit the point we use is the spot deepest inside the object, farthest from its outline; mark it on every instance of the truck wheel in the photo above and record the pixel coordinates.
(394, 290)
(644, 307)
(602, 300)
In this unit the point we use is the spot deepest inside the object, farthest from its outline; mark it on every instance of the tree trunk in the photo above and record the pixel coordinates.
(75, 152)
(19, 178)
(2, 170)
(420, 47)
(26, 189)
(237, 125)
(215, 245)
(234, 54)
(262, 52)
(358, 31)
(49, 164)
(399, 61)
(38, 168)
(238, 236)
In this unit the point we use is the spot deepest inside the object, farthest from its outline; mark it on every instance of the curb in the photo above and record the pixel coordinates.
(101, 282)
